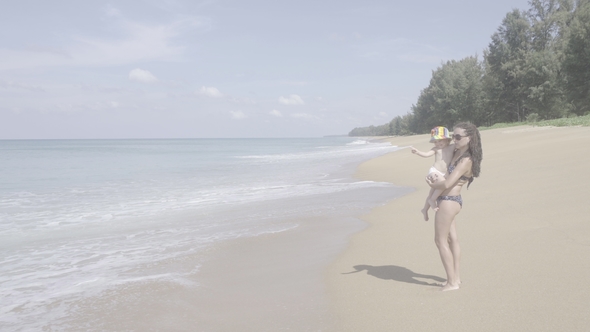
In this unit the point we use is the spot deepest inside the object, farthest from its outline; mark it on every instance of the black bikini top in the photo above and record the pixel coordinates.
(451, 168)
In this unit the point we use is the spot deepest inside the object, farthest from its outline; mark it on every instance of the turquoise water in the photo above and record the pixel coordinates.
(78, 217)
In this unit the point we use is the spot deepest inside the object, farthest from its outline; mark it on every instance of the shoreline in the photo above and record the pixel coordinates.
(524, 236)
(272, 281)
(276, 281)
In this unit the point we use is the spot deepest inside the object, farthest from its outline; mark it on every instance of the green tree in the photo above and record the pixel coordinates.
(549, 20)
(400, 125)
(576, 63)
(544, 80)
(505, 65)
(395, 126)
(453, 95)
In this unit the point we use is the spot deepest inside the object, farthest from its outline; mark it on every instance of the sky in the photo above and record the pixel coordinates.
(208, 69)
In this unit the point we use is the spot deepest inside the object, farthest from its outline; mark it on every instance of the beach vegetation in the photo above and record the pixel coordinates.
(570, 121)
(535, 70)
(532, 118)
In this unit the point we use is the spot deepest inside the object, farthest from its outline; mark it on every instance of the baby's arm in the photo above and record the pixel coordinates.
(448, 153)
(461, 169)
(422, 154)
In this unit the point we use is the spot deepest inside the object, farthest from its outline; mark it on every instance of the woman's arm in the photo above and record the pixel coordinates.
(462, 168)
(422, 154)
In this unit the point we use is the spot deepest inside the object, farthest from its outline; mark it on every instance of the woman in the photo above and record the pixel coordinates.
(464, 166)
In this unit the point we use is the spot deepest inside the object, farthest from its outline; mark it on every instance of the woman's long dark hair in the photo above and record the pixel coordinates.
(474, 150)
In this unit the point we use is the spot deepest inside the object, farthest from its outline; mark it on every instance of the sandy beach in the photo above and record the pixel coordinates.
(524, 233)
(523, 229)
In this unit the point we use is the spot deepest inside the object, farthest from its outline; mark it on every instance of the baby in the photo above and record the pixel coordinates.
(443, 153)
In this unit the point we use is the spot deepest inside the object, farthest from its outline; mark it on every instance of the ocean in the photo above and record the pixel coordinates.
(82, 217)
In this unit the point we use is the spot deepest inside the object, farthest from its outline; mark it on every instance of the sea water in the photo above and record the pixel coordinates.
(80, 217)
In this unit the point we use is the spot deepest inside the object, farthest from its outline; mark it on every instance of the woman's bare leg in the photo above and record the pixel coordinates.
(442, 231)
(455, 249)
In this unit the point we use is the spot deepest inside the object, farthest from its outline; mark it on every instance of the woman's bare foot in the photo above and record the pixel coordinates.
(446, 282)
(449, 287)
(425, 213)
(433, 204)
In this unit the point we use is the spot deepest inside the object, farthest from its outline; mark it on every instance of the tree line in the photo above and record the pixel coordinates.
(536, 67)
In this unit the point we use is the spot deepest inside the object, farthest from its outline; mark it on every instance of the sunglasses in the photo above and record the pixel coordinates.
(458, 137)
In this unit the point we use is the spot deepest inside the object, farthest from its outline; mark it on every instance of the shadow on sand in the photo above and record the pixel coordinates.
(397, 273)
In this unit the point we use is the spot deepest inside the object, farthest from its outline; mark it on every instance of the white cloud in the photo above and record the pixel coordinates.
(291, 100)
(210, 92)
(297, 83)
(303, 116)
(141, 43)
(112, 11)
(237, 115)
(20, 86)
(114, 104)
(383, 114)
(134, 42)
(142, 76)
(275, 113)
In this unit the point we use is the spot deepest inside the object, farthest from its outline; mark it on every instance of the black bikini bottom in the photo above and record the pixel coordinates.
(457, 199)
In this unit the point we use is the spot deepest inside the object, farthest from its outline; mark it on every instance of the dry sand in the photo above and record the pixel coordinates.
(524, 232)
